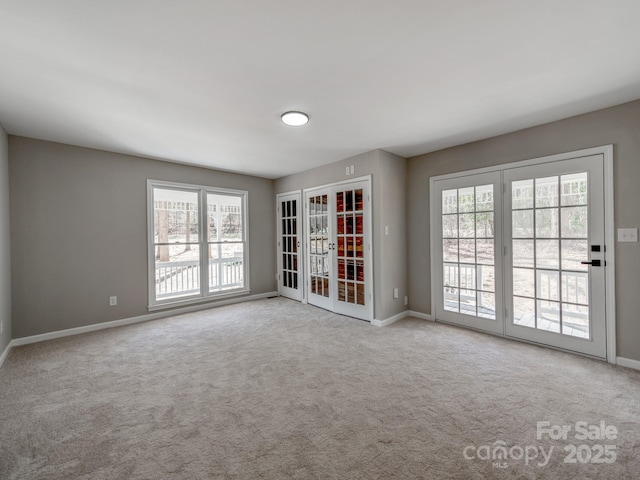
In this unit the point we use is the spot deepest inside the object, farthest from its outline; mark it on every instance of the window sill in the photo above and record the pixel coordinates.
(213, 299)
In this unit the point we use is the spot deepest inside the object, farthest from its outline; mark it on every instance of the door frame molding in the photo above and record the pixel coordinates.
(363, 178)
(609, 226)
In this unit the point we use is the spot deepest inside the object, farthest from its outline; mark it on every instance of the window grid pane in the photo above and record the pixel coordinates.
(549, 239)
(319, 241)
(350, 239)
(289, 243)
(468, 251)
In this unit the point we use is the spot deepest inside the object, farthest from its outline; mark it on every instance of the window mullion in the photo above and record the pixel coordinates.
(204, 247)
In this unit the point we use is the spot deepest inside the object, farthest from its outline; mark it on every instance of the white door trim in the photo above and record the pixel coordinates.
(607, 152)
(610, 241)
(363, 178)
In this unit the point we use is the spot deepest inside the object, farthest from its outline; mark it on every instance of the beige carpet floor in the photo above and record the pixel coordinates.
(274, 389)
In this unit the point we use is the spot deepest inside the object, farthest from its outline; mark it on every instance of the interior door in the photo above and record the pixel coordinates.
(467, 260)
(319, 231)
(289, 246)
(351, 250)
(338, 242)
(555, 272)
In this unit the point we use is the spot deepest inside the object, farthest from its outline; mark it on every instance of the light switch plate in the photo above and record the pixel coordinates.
(627, 234)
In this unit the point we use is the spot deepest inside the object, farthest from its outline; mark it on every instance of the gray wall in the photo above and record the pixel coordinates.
(392, 204)
(388, 187)
(5, 252)
(619, 126)
(79, 232)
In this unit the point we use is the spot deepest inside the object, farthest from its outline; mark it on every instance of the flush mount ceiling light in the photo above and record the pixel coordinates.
(294, 119)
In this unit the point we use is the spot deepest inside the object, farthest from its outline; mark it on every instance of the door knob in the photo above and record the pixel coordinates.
(593, 263)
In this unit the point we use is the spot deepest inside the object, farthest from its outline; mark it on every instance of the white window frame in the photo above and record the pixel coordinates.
(204, 295)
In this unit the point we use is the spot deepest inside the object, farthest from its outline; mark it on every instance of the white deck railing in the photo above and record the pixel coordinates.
(464, 279)
(182, 278)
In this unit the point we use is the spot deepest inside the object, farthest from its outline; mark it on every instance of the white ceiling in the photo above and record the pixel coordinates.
(204, 82)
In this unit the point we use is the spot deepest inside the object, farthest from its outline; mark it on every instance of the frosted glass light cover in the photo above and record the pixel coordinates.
(295, 119)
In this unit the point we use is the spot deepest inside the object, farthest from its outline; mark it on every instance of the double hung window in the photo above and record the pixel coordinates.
(197, 242)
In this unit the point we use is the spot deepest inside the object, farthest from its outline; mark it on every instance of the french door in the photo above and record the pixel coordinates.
(470, 242)
(319, 242)
(520, 251)
(289, 246)
(338, 231)
(556, 267)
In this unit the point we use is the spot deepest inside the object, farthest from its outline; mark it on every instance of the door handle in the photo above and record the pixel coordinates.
(593, 263)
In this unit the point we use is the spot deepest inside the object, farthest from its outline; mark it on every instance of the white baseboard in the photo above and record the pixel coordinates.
(628, 362)
(423, 316)
(400, 316)
(5, 354)
(389, 321)
(129, 321)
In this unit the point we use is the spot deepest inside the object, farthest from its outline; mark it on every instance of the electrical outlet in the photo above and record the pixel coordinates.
(347, 170)
(1, 327)
(352, 169)
(113, 301)
(406, 300)
(395, 293)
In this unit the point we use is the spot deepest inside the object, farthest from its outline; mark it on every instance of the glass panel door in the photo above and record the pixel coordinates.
(338, 230)
(555, 227)
(352, 250)
(535, 272)
(468, 236)
(350, 246)
(289, 246)
(318, 235)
